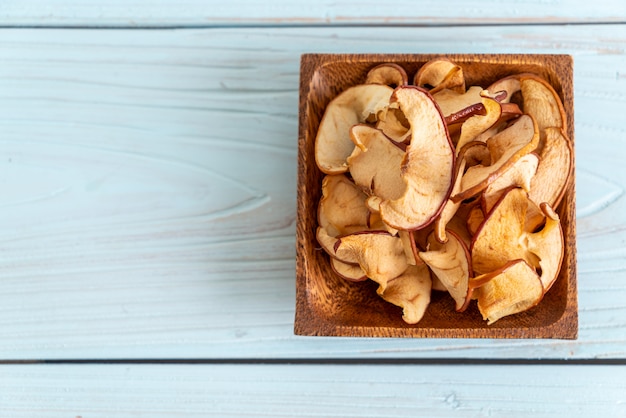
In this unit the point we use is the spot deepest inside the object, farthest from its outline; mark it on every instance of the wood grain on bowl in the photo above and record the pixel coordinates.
(328, 305)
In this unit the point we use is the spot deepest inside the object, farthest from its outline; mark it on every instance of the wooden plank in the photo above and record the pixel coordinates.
(148, 190)
(160, 13)
(311, 391)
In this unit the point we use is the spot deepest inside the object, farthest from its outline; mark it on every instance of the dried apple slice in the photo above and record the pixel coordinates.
(520, 174)
(548, 245)
(478, 123)
(451, 102)
(505, 149)
(352, 106)
(514, 288)
(450, 262)
(350, 272)
(439, 74)
(450, 207)
(342, 207)
(379, 254)
(428, 166)
(502, 236)
(375, 163)
(542, 102)
(410, 291)
(393, 123)
(554, 170)
(389, 74)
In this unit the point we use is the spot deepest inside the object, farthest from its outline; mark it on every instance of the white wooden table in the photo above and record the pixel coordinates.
(147, 209)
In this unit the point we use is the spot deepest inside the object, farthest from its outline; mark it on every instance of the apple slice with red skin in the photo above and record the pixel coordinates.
(451, 263)
(514, 288)
(452, 102)
(393, 123)
(410, 291)
(479, 123)
(520, 174)
(505, 149)
(350, 272)
(342, 207)
(428, 167)
(353, 106)
(389, 74)
(375, 163)
(450, 207)
(439, 74)
(548, 244)
(379, 254)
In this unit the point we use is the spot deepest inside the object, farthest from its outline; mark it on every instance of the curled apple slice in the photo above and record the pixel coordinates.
(350, 272)
(450, 207)
(512, 289)
(428, 165)
(375, 163)
(554, 170)
(548, 245)
(389, 74)
(354, 105)
(451, 263)
(440, 73)
(479, 123)
(342, 207)
(520, 174)
(452, 102)
(505, 149)
(379, 254)
(411, 291)
(393, 123)
(502, 236)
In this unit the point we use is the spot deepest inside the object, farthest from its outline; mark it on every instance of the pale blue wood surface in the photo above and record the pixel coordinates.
(148, 202)
(147, 206)
(94, 391)
(129, 13)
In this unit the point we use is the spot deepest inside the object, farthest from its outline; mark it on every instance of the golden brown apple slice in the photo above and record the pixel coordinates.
(542, 102)
(475, 218)
(477, 124)
(342, 207)
(554, 170)
(548, 245)
(350, 272)
(502, 236)
(514, 288)
(410, 291)
(505, 88)
(379, 254)
(393, 123)
(440, 73)
(505, 149)
(428, 166)
(451, 102)
(352, 106)
(375, 163)
(389, 74)
(450, 262)
(450, 207)
(520, 174)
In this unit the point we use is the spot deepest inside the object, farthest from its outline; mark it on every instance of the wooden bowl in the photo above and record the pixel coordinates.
(327, 305)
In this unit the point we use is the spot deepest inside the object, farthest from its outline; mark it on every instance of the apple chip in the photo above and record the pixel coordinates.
(350, 272)
(342, 207)
(439, 74)
(389, 74)
(450, 262)
(428, 165)
(379, 254)
(375, 163)
(410, 291)
(353, 106)
(514, 288)
(520, 174)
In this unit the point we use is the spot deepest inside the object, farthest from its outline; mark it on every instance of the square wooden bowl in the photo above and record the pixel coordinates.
(327, 305)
